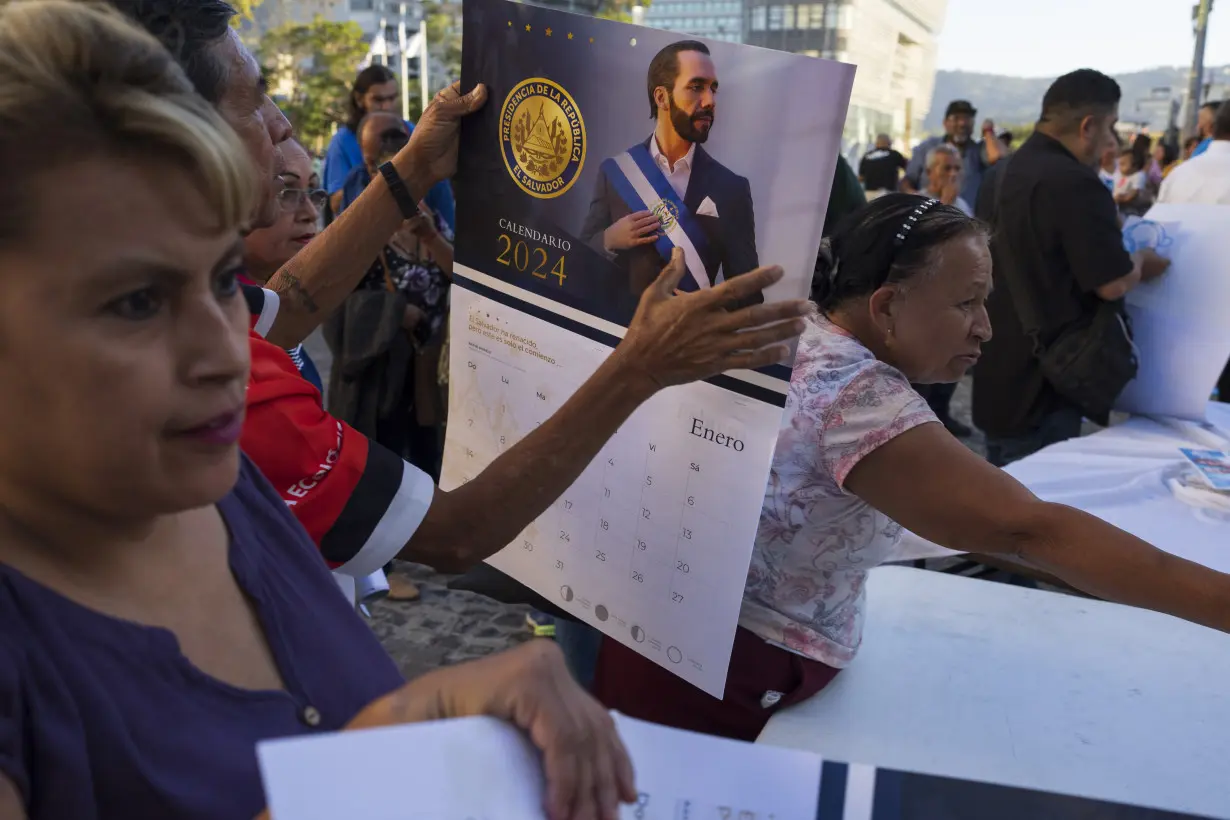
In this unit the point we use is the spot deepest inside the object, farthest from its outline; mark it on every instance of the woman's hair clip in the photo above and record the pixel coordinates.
(903, 232)
(830, 259)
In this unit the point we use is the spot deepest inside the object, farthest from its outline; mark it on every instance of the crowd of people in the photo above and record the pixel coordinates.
(174, 493)
(1014, 401)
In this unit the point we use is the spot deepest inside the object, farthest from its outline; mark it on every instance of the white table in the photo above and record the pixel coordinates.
(984, 681)
(1119, 474)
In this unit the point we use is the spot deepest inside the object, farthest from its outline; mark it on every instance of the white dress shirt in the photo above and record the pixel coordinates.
(682, 172)
(1201, 180)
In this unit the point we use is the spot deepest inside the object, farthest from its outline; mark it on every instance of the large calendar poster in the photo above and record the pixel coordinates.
(733, 155)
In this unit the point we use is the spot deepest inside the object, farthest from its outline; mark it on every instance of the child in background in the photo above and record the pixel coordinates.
(1108, 167)
(1131, 186)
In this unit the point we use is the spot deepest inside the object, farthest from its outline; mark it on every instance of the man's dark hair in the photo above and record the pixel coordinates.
(1082, 93)
(864, 254)
(1221, 123)
(1212, 105)
(188, 29)
(374, 74)
(664, 68)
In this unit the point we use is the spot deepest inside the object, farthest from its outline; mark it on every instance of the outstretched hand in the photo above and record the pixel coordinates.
(674, 339)
(431, 154)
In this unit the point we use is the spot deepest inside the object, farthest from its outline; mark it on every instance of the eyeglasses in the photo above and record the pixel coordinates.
(292, 198)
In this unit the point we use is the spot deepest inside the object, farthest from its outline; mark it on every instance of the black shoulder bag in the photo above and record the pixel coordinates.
(1092, 359)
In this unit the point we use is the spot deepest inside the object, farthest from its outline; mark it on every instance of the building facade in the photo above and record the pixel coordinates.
(893, 43)
(713, 19)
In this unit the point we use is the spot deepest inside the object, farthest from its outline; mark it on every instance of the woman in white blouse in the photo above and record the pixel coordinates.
(901, 295)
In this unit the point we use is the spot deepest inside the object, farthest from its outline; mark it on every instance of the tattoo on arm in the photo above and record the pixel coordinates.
(289, 284)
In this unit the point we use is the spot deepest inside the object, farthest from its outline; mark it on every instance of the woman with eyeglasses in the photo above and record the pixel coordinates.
(266, 250)
(900, 294)
(161, 609)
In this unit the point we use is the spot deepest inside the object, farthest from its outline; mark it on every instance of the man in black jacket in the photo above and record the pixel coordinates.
(1058, 252)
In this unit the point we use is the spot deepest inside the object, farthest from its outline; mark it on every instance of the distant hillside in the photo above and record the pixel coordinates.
(1017, 99)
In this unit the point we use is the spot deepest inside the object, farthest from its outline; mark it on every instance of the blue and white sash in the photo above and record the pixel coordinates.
(643, 187)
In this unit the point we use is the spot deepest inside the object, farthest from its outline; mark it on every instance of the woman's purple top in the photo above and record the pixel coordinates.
(104, 718)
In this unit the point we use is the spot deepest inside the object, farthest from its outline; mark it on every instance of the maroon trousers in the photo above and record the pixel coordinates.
(762, 679)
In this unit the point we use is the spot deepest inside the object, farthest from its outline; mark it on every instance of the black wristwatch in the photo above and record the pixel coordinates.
(401, 195)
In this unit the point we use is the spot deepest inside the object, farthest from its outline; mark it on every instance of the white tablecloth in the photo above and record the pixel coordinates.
(1120, 475)
(966, 678)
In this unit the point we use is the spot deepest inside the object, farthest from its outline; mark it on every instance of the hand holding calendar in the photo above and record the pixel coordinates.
(679, 339)
(587, 769)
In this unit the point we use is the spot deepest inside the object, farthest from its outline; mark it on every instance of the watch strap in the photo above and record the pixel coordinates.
(397, 187)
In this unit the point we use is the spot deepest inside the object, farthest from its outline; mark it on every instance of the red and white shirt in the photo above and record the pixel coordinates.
(358, 501)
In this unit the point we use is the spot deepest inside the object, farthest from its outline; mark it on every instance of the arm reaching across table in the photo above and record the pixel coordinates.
(933, 485)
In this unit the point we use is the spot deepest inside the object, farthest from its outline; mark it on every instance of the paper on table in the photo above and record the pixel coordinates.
(483, 769)
(1179, 320)
(1213, 465)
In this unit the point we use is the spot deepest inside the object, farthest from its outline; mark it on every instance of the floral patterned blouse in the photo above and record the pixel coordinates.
(817, 541)
(420, 280)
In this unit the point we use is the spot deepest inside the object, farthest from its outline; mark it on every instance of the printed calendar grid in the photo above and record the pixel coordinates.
(651, 543)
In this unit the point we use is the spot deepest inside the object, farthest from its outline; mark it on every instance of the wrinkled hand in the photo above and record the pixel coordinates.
(423, 226)
(587, 768)
(1152, 264)
(635, 229)
(674, 339)
(948, 194)
(431, 154)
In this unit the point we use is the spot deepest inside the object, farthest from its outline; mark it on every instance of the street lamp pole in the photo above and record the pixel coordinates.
(1195, 79)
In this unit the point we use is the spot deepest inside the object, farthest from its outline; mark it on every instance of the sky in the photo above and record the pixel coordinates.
(1046, 38)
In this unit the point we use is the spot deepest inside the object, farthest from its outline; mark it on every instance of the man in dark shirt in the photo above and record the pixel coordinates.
(1057, 236)
(881, 168)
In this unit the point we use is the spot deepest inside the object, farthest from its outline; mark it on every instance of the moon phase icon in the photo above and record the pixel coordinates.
(638, 634)
(674, 654)
(565, 592)
(601, 612)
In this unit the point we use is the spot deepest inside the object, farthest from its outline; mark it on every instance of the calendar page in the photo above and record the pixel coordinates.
(652, 543)
(569, 201)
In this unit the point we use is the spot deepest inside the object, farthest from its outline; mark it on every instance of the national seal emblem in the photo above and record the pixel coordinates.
(542, 137)
(667, 213)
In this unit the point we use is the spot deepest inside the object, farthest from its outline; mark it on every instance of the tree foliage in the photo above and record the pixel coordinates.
(443, 42)
(620, 10)
(245, 11)
(310, 67)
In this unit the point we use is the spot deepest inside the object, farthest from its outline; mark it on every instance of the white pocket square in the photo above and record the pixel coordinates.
(707, 208)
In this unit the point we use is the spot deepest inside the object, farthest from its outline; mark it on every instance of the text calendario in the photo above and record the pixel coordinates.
(652, 543)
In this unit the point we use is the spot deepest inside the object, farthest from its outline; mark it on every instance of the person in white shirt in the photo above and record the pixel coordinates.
(944, 167)
(1203, 179)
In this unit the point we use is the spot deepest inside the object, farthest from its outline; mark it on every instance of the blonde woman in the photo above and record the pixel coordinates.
(160, 609)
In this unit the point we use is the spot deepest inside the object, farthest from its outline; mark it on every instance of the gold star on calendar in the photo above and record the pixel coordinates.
(548, 32)
(591, 39)
(527, 26)
(570, 35)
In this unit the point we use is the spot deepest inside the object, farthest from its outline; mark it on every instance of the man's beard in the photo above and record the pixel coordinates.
(686, 124)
